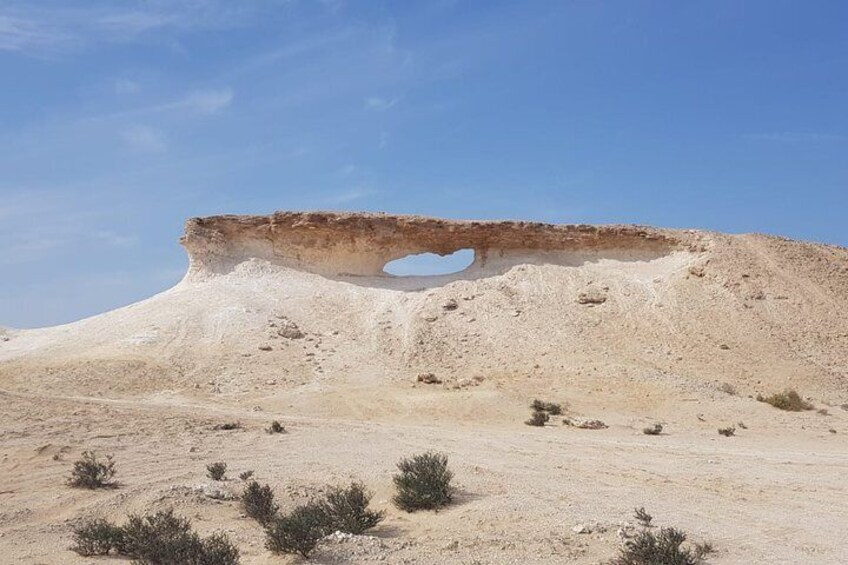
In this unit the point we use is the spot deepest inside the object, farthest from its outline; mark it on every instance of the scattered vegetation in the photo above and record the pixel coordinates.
(424, 482)
(245, 475)
(276, 428)
(297, 532)
(742, 425)
(157, 539)
(227, 426)
(538, 418)
(90, 472)
(97, 537)
(787, 400)
(347, 509)
(654, 430)
(662, 548)
(643, 517)
(258, 502)
(216, 471)
(728, 431)
(341, 509)
(550, 407)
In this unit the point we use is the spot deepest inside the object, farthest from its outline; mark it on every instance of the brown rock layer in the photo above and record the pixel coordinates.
(362, 243)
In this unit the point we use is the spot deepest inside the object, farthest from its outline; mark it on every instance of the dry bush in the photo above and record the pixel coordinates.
(662, 548)
(216, 471)
(538, 419)
(258, 502)
(156, 539)
(227, 426)
(297, 532)
(787, 400)
(424, 482)
(643, 517)
(551, 408)
(97, 537)
(728, 431)
(347, 509)
(89, 472)
(276, 428)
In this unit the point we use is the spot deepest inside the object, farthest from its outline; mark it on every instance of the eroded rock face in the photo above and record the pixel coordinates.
(361, 244)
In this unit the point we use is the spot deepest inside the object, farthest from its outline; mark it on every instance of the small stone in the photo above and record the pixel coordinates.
(429, 379)
(265, 348)
(450, 305)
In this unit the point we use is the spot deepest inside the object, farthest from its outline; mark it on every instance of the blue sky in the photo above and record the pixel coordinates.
(121, 119)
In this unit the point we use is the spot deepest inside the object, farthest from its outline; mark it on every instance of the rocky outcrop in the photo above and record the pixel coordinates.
(361, 243)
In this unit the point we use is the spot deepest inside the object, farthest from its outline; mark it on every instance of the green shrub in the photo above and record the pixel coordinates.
(347, 509)
(258, 502)
(97, 537)
(165, 539)
(654, 430)
(297, 532)
(424, 482)
(216, 471)
(662, 548)
(217, 549)
(787, 400)
(276, 428)
(549, 407)
(538, 419)
(89, 472)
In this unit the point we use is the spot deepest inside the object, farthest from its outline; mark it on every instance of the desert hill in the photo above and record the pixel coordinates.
(292, 315)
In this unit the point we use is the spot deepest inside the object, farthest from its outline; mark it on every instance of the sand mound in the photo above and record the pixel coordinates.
(628, 309)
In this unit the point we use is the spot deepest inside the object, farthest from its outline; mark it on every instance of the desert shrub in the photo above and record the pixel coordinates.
(245, 475)
(276, 428)
(643, 517)
(549, 407)
(227, 426)
(662, 548)
(217, 549)
(89, 472)
(787, 400)
(538, 419)
(727, 432)
(654, 430)
(297, 532)
(347, 509)
(97, 537)
(165, 539)
(424, 482)
(216, 471)
(258, 502)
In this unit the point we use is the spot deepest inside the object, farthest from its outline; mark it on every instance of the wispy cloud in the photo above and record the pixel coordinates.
(55, 28)
(207, 101)
(350, 195)
(21, 34)
(126, 86)
(379, 104)
(145, 138)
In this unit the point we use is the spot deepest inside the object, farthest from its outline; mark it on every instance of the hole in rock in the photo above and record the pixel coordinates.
(430, 264)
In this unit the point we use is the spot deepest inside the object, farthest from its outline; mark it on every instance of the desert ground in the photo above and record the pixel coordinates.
(288, 317)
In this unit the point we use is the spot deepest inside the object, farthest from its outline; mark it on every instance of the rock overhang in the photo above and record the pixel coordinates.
(360, 244)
